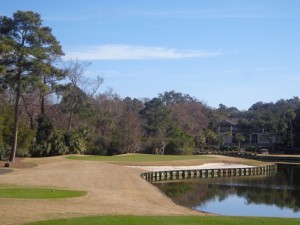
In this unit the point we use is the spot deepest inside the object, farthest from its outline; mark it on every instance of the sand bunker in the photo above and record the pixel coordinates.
(204, 166)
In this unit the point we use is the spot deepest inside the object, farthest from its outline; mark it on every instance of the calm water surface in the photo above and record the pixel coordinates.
(272, 196)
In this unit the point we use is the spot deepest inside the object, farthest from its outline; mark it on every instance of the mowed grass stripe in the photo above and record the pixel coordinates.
(38, 193)
(170, 220)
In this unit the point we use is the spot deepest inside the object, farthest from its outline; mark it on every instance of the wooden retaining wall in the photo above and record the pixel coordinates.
(156, 176)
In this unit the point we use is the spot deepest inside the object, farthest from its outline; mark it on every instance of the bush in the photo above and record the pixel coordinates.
(57, 142)
(292, 152)
(225, 148)
(98, 147)
(173, 149)
(53, 147)
(250, 148)
(39, 149)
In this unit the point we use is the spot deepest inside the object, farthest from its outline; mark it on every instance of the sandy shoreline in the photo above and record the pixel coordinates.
(204, 166)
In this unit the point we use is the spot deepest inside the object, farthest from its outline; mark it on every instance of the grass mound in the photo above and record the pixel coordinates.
(38, 193)
(138, 158)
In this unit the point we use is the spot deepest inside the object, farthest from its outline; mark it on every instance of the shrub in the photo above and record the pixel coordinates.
(58, 146)
(250, 148)
(75, 142)
(173, 149)
(98, 147)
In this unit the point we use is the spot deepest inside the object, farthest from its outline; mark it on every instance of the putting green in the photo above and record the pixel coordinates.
(38, 193)
(139, 158)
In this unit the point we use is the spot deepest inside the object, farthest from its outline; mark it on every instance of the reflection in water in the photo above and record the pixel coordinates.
(277, 195)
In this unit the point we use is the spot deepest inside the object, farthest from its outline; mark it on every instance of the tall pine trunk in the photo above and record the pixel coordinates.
(16, 125)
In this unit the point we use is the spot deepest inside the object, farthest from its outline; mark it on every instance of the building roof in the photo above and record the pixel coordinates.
(229, 121)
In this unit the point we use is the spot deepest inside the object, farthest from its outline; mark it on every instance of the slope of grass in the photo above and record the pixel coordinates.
(170, 220)
(38, 193)
(138, 158)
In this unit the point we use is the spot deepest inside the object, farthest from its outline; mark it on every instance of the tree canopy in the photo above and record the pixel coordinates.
(50, 107)
(28, 53)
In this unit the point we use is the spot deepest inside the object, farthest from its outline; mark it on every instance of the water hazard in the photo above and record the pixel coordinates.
(271, 196)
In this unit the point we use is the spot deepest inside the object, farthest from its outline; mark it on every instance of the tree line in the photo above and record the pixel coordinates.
(48, 107)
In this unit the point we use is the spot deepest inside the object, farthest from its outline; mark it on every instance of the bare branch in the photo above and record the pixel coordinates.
(95, 85)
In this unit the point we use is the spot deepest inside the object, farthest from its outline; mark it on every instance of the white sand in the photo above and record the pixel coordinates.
(204, 166)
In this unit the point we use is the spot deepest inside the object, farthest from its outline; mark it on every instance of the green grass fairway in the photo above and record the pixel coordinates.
(170, 220)
(139, 158)
(38, 193)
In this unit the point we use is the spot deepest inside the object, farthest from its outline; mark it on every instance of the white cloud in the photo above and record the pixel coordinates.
(132, 52)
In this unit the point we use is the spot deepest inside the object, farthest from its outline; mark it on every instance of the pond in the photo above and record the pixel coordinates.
(277, 195)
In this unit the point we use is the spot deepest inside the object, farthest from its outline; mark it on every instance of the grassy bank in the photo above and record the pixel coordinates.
(167, 160)
(139, 158)
(170, 220)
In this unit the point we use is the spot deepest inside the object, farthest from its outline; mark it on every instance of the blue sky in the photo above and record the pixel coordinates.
(234, 52)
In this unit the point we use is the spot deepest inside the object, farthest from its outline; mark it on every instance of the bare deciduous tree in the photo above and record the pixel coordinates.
(80, 88)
